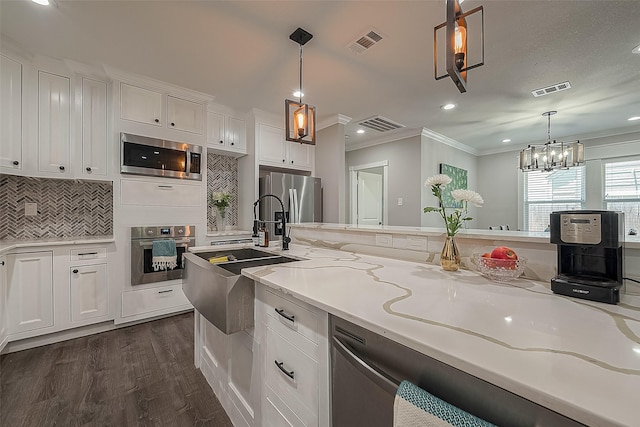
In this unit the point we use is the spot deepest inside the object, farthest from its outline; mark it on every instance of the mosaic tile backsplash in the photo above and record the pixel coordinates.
(66, 208)
(222, 175)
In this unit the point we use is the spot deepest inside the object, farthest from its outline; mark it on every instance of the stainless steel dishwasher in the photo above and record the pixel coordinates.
(366, 369)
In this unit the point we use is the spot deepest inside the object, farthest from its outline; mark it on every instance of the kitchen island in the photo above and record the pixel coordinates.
(578, 358)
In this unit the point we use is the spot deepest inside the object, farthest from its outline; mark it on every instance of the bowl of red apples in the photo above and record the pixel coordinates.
(501, 264)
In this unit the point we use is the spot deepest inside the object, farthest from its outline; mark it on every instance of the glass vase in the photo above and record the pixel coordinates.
(221, 219)
(450, 256)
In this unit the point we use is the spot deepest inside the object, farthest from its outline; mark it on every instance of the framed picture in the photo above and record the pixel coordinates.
(458, 181)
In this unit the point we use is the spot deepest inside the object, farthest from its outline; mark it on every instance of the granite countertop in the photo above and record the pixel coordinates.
(577, 357)
(8, 245)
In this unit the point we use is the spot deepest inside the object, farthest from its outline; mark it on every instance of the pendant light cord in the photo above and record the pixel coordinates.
(300, 87)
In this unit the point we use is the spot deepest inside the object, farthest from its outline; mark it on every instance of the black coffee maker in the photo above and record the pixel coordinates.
(590, 254)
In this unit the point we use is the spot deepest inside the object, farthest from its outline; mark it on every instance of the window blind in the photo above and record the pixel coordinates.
(553, 191)
(622, 190)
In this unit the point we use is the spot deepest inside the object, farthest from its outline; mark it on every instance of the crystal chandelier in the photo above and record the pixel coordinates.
(553, 154)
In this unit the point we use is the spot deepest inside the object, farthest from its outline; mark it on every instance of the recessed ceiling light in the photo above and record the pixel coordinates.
(634, 118)
(448, 106)
(636, 49)
(360, 131)
(506, 140)
(297, 94)
(41, 2)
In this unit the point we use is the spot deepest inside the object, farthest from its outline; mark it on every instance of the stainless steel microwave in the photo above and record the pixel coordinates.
(141, 155)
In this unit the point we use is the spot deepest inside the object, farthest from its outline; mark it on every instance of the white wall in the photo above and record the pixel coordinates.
(498, 184)
(434, 152)
(404, 177)
(329, 159)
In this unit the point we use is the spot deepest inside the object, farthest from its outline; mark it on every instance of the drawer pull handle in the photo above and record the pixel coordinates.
(1, 262)
(290, 374)
(281, 312)
(166, 186)
(165, 291)
(88, 253)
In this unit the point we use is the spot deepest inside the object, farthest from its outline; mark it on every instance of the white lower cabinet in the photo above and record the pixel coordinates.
(56, 289)
(30, 291)
(276, 374)
(155, 301)
(3, 302)
(295, 388)
(88, 292)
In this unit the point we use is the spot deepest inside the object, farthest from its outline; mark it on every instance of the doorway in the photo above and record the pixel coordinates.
(369, 193)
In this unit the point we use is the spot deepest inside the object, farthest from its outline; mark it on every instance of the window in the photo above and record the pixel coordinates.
(559, 190)
(622, 190)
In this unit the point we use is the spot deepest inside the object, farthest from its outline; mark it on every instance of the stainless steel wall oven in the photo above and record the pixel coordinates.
(141, 251)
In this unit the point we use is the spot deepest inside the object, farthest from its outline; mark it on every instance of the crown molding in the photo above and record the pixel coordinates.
(594, 139)
(338, 119)
(153, 84)
(393, 136)
(428, 133)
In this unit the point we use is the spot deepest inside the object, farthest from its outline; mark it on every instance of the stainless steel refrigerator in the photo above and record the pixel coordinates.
(300, 195)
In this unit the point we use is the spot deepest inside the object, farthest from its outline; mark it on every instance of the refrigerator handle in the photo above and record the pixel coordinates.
(295, 203)
(292, 212)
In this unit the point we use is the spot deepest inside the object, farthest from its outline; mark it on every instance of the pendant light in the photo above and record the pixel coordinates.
(300, 118)
(552, 155)
(456, 44)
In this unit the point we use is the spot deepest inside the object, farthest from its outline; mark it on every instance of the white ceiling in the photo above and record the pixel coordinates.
(240, 52)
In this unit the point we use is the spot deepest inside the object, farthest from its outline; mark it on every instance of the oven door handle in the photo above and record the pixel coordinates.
(383, 380)
(182, 243)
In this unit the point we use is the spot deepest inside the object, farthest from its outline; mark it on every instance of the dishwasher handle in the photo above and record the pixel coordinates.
(384, 381)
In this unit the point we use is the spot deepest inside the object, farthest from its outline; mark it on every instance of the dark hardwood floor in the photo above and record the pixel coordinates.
(141, 375)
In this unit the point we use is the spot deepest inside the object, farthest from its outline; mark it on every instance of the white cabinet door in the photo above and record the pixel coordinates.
(3, 301)
(89, 295)
(236, 134)
(272, 148)
(140, 105)
(54, 127)
(184, 115)
(300, 155)
(10, 113)
(94, 128)
(30, 292)
(215, 130)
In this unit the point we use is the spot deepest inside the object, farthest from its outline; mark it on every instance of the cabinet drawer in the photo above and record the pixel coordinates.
(279, 312)
(276, 413)
(88, 253)
(145, 193)
(153, 299)
(299, 393)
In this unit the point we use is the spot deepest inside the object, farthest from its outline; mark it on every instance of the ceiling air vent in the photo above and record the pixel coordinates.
(364, 42)
(551, 89)
(379, 123)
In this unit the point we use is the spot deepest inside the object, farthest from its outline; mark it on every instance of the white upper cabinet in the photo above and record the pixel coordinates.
(215, 130)
(94, 128)
(146, 106)
(236, 134)
(184, 115)
(275, 151)
(10, 113)
(54, 126)
(140, 105)
(226, 133)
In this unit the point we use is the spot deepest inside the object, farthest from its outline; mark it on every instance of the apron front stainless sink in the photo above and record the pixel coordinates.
(219, 292)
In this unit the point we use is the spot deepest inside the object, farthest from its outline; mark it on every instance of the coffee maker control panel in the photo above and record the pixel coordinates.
(581, 228)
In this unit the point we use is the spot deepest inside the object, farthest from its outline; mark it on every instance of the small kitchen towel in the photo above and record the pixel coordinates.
(164, 255)
(414, 407)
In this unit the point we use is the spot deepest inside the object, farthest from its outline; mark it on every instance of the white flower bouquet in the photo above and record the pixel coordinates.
(456, 219)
